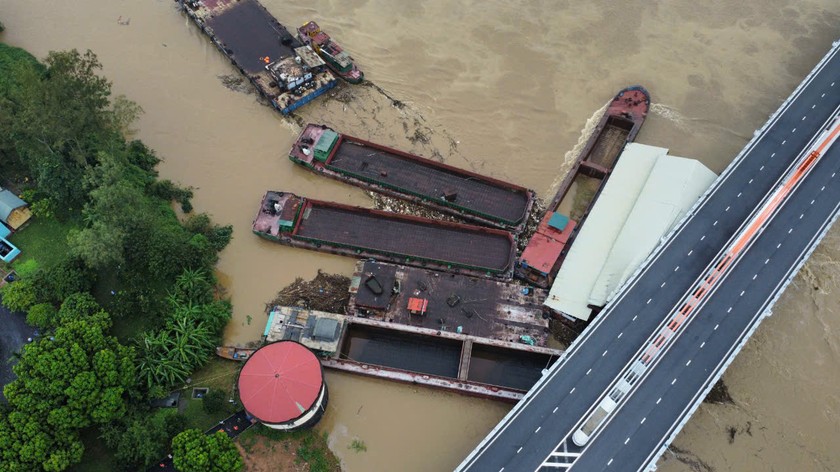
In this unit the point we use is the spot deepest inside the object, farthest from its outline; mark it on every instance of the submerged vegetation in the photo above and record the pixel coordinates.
(106, 255)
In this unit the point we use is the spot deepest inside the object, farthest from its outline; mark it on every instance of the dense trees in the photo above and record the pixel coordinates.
(215, 401)
(142, 438)
(169, 354)
(76, 377)
(62, 137)
(61, 119)
(60, 129)
(193, 451)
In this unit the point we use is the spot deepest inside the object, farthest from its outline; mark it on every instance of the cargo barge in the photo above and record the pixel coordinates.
(446, 302)
(399, 174)
(364, 233)
(419, 356)
(578, 192)
(334, 55)
(286, 72)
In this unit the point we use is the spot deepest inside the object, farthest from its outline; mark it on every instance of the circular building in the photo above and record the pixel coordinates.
(282, 386)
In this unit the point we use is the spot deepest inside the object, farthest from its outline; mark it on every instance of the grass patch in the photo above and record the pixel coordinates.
(126, 328)
(197, 417)
(218, 374)
(313, 451)
(97, 457)
(310, 448)
(44, 240)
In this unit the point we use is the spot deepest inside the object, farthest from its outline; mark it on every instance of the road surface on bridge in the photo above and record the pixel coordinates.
(552, 411)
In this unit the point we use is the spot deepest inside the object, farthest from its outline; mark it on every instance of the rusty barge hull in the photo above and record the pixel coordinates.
(440, 359)
(364, 233)
(250, 37)
(447, 360)
(545, 252)
(399, 174)
(433, 381)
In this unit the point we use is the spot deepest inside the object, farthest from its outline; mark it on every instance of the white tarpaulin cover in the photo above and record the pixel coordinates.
(647, 193)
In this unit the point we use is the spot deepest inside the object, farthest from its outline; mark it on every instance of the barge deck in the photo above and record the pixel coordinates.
(421, 356)
(286, 72)
(396, 173)
(579, 190)
(469, 305)
(360, 232)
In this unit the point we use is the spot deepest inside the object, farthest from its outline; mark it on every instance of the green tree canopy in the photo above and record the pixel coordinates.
(60, 118)
(193, 451)
(141, 439)
(19, 296)
(75, 378)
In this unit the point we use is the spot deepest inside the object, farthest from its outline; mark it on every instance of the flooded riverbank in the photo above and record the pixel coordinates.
(502, 88)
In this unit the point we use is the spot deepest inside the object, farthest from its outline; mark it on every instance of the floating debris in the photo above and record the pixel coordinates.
(326, 292)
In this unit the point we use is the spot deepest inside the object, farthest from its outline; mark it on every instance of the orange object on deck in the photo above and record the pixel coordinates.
(417, 306)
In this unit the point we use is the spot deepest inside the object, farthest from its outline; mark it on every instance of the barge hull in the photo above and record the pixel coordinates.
(361, 232)
(513, 367)
(396, 351)
(618, 126)
(466, 388)
(399, 174)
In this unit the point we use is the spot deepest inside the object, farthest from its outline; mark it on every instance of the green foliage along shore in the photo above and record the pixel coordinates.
(74, 378)
(194, 451)
(117, 258)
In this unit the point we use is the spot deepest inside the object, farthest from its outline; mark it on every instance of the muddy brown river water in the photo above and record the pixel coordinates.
(504, 88)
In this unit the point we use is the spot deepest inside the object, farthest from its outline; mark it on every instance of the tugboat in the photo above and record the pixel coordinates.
(335, 57)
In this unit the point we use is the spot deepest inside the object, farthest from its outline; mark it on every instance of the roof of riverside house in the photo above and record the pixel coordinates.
(8, 203)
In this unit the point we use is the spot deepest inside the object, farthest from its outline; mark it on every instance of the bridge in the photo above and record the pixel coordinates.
(629, 383)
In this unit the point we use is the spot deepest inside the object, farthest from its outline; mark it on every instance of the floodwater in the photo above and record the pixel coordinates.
(500, 87)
